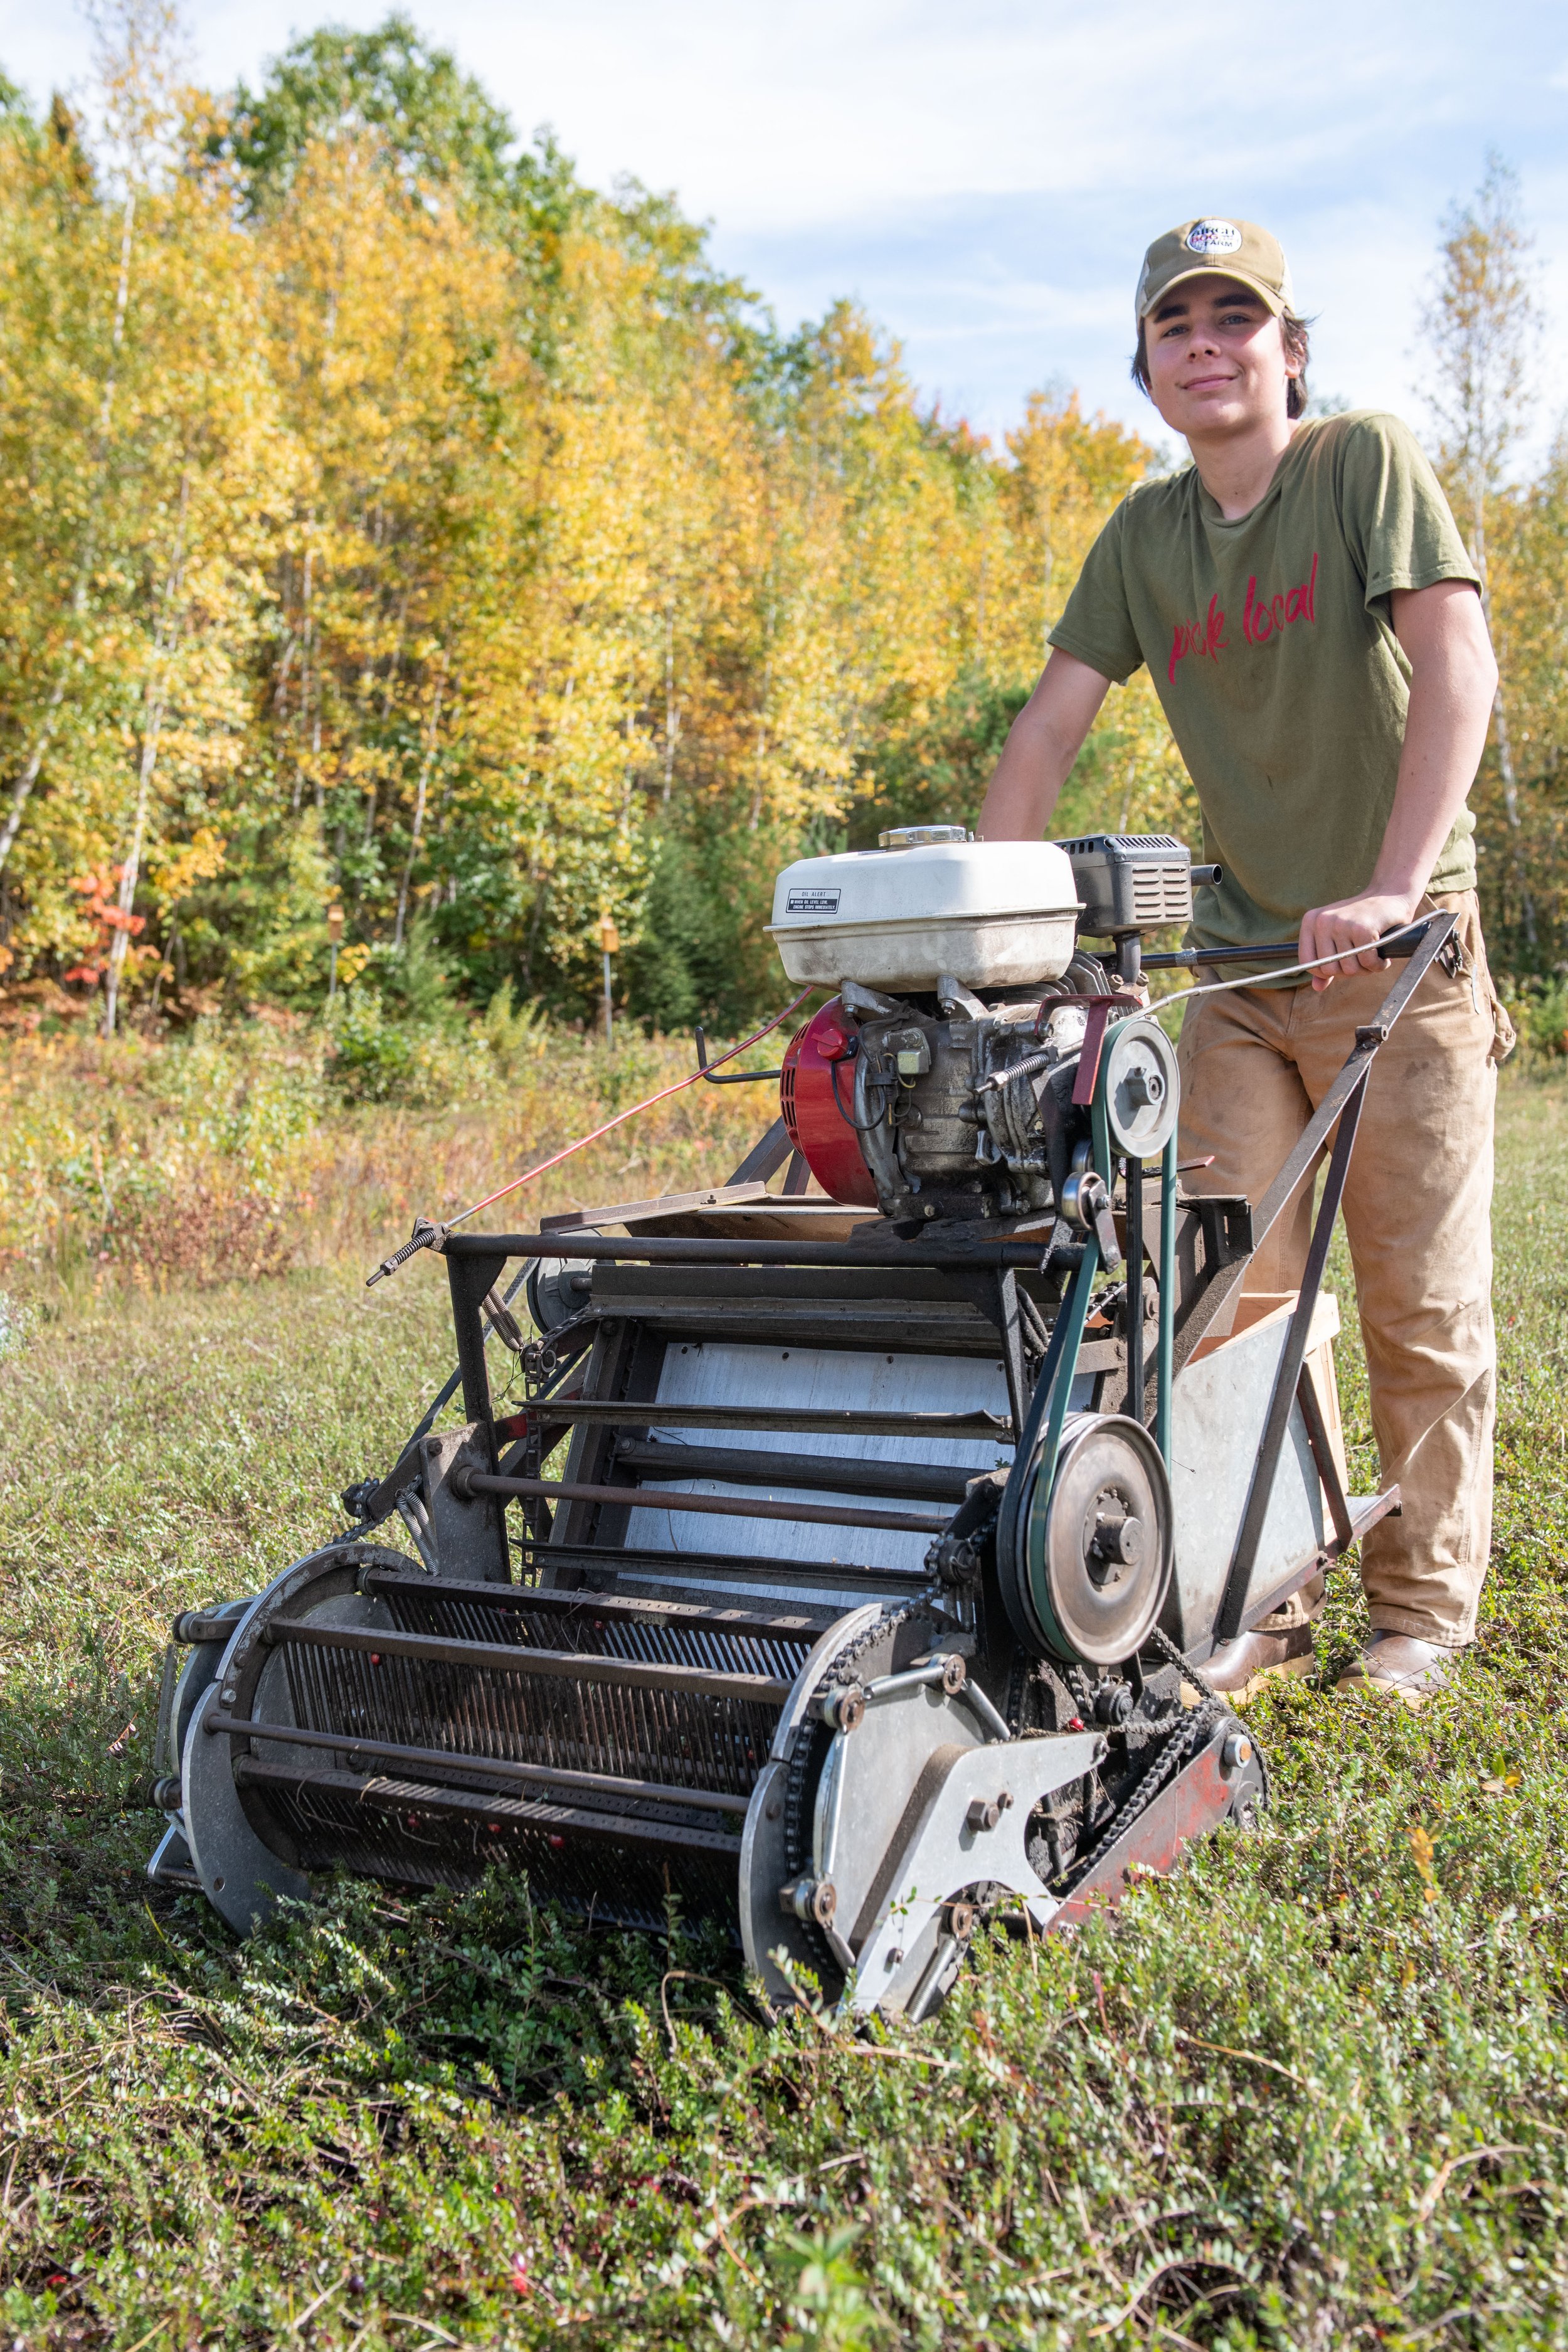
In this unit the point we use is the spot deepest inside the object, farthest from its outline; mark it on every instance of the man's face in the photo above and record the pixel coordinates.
(1217, 357)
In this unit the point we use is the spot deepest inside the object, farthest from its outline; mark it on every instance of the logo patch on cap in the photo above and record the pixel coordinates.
(1213, 236)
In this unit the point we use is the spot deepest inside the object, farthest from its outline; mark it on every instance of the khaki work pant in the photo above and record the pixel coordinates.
(1418, 1202)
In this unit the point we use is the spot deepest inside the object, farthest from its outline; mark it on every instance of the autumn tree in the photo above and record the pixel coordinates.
(1480, 324)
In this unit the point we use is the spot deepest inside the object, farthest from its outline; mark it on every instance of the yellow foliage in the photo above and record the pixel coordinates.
(362, 544)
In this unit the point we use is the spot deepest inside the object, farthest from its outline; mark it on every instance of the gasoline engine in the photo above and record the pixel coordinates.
(840, 1563)
(949, 1093)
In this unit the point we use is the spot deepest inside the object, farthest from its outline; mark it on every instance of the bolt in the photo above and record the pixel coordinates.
(810, 1898)
(844, 1709)
(1112, 1703)
(961, 1921)
(984, 1814)
(1237, 1749)
(954, 1674)
(895, 1958)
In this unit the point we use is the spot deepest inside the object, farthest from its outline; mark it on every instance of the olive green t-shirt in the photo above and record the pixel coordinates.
(1270, 646)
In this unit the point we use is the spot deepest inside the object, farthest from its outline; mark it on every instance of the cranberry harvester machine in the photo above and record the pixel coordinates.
(899, 1508)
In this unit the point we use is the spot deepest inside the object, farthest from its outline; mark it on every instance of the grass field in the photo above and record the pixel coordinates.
(1310, 2091)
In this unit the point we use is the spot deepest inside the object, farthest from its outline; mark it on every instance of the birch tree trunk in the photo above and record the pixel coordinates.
(417, 829)
(163, 642)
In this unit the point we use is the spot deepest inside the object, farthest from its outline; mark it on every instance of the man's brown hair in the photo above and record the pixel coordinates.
(1294, 336)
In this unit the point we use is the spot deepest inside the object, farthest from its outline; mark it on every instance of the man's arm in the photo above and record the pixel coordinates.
(1045, 740)
(1453, 679)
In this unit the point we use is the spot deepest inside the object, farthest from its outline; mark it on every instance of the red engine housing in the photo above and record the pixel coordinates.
(818, 1129)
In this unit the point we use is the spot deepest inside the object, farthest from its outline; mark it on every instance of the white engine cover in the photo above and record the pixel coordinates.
(992, 914)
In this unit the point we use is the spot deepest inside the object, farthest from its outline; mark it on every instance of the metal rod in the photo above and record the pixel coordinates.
(411, 1510)
(1323, 1456)
(663, 1249)
(1401, 942)
(766, 1156)
(723, 1568)
(613, 1829)
(913, 1678)
(500, 1767)
(923, 1482)
(739, 1506)
(469, 1279)
(735, 1077)
(1135, 1287)
(566, 1666)
(1365, 1517)
(996, 1722)
(1439, 929)
(1227, 1623)
(1167, 1341)
(789, 1421)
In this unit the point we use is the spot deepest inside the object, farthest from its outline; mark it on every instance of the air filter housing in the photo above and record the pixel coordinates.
(1133, 881)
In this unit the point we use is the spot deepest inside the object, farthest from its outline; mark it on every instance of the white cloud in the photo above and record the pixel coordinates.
(984, 179)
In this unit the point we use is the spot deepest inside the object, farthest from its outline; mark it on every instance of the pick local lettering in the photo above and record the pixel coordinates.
(1262, 618)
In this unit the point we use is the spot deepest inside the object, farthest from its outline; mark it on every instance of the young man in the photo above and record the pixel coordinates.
(1311, 622)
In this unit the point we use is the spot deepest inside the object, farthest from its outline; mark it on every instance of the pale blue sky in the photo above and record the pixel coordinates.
(983, 178)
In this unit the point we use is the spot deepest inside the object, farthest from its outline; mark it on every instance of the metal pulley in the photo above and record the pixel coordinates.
(1096, 1548)
(1141, 1086)
(556, 1290)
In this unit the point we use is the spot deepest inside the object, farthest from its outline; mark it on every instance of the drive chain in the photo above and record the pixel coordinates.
(1185, 1743)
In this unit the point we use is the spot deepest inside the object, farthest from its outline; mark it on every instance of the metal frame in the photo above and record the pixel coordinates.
(1344, 1102)
(1034, 1463)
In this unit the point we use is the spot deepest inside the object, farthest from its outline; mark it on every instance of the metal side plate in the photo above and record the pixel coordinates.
(902, 1961)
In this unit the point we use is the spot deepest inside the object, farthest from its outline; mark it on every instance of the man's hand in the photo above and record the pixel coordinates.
(1354, 926)
(1453, 677)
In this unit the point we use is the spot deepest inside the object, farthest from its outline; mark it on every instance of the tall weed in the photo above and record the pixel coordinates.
(1538, 1008)
(249, 1147)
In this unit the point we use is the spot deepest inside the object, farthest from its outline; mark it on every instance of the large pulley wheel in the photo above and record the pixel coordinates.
(1097, 1548)
(1142, 1089)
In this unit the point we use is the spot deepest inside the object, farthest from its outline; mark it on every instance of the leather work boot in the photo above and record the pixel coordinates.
(1243, 1666)
(1399, 1666)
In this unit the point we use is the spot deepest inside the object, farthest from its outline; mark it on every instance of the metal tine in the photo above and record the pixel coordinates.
(653, 1643)
(334, 1826)
(640, 1731)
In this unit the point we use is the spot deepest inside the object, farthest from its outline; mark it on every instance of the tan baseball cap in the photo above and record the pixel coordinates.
(1234, 248)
